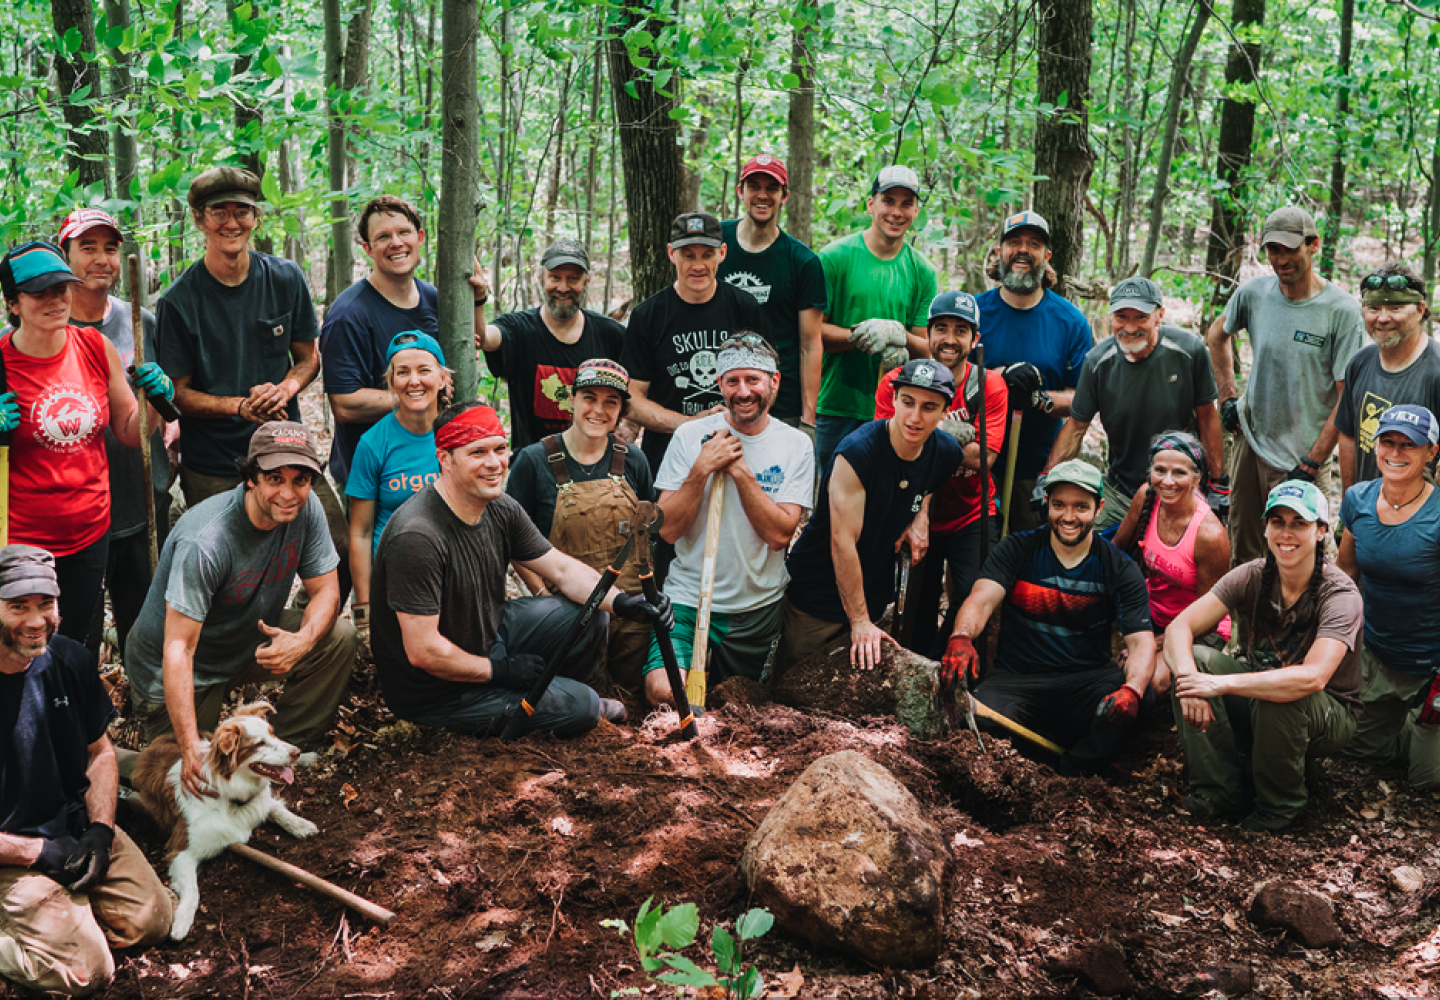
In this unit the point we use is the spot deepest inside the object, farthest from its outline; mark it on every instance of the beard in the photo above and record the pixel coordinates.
(767, 401)
(1389, 341)
(1020, 282)
(1077, 540)
(563, 305)
(30, 648)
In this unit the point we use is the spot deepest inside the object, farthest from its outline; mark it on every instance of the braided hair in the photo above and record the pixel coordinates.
(1263, 616)
(1187, 445)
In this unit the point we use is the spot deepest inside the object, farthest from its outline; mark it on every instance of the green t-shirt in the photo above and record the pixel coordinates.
(861, 286)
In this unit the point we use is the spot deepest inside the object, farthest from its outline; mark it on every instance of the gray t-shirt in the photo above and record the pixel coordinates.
(1300, 350)
(219, 569)
(1137, 400)
(1370, 390)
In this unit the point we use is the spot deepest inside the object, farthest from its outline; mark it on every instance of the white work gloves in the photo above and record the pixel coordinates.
(958, 428)
(874, 335)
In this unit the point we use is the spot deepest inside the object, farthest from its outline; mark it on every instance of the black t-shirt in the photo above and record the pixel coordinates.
(540, 370)
(432, 563)
(672, 345)
(49, 716)
(1370, 390)
(532, 482)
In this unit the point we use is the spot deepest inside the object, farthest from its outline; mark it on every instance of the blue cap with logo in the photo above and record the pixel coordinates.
(1415, 422)
(33, 267)
(960, 305)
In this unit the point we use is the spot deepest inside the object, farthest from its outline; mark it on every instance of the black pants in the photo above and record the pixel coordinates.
(960, 551)
(81, 576)
(127, 576)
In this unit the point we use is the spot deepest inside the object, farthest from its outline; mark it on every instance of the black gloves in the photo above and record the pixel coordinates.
(91, 859)
(1230, 415)
(1217, 495)
(55, 852)
(1022, 379)
(1038, 500)
(637, 609)
(1301, 473)
(518, 672)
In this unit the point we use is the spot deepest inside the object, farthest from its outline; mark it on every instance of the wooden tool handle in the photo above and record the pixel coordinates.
(364, 907)
(695, 682)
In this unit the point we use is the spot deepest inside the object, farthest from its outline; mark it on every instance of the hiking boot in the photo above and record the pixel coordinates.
(1261, 821)
(613, 711)
(1204, 808)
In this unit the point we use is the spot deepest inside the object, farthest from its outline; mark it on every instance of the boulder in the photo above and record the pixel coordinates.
(1100, 965)
(847, 859)
(905, 685)
(1309, 916)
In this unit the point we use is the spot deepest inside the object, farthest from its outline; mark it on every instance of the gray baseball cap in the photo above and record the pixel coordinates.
(896, 176)
(563, 252)
(1137, 293)
(1289, 226)
(24, 570)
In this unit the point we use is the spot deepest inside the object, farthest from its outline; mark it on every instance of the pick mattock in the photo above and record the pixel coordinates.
(695, 682)
(138, 327)
(1012, 451)
(969, 703)
(647, 519)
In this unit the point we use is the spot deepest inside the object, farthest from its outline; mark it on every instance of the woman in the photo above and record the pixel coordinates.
(395, 458)
(1183, 547)
(66, 384)
(1291, 694)
(1392, 550)
(580, 487)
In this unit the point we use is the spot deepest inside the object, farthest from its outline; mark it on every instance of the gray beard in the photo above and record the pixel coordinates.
(563, 309)
(1019, 282)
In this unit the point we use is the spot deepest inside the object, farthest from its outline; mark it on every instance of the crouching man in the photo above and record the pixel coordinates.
(72, 885)
(450, 650)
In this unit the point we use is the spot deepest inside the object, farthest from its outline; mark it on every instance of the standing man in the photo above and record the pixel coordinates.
(1146, 379)
(1039, 340)
(72, 884)
(879, 290)
(215, 618)
(90, 240)
(538, 351)
(767, 470)
(1401, 366)
(673, 336)
(1303, 332)
(875, 495)
(786, 278)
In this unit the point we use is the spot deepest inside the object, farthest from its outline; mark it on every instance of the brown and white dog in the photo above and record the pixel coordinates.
(242, 761)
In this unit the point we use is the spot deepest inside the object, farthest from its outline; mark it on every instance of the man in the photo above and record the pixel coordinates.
(1146, 379)
(673, 335)
(787, 280)
(537, 351)
(451, 651)
(1039, 340)
(875, 495)
(91, 242)
(1303, 332)
(879, 290)
(215, 618)
(1063, 589)
(767, 470)
(72, 884)
(1401, 366)
(955, 520)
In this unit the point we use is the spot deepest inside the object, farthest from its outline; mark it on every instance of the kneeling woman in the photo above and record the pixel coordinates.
(580, 487)
(1291, 695)
(1392, 549)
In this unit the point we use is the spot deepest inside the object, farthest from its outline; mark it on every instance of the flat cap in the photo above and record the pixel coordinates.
(222, 184)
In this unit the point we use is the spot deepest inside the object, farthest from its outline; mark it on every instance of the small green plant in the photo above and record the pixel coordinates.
(676, 928)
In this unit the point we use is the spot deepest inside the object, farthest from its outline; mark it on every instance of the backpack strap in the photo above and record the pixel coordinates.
(555, 455)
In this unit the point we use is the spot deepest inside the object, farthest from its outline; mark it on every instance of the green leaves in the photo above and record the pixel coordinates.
(677, 928)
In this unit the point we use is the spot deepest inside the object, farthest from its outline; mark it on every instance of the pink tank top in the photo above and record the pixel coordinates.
(1171, 574)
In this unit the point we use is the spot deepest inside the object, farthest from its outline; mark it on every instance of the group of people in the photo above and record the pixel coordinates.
(800, 419)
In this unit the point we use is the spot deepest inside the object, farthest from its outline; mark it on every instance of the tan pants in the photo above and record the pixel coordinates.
(1251, 480)
(55, 940)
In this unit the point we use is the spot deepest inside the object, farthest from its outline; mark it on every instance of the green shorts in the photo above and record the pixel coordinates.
(742, 644)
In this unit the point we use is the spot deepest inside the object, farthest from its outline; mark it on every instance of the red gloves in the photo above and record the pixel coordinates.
(960, 657)
(1429, 711)
(1121, 705)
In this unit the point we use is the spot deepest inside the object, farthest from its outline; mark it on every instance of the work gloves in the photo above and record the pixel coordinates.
(873, 336)
(518, 672)
(55, 852)
(1430, 707)
(1217, 495)
(637, 609)
(1230, 415)
(960, 659)
(1025, 385)
(1120, 706)
(1302, 473)
(893, 357)
(958, 428)
(91, 859)
(1037, 495)
(152, 381)
(9, 413)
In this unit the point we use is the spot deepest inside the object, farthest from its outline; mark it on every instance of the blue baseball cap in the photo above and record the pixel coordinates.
(33, 267)
(417, 340)
(1415, 422)
(960, 305)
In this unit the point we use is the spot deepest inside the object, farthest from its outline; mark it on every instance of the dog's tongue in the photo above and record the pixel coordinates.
(286, 775)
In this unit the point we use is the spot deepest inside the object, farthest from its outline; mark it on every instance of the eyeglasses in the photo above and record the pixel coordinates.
(748, 339)
(243, 213)
(1394, 282)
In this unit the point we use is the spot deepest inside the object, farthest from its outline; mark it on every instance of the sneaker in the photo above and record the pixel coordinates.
(1261, 821)
(613, 711)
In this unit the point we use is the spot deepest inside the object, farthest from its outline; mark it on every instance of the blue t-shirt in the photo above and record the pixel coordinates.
(391, 465)
(1054, 337)
(894, 490)
(1398, 566)
(359, 326)
(1057, 620)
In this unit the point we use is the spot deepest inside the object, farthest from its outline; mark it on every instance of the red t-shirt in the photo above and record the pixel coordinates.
(59, 476)
(957, 503)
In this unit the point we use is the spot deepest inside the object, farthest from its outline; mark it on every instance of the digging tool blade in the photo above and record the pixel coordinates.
(647, 520)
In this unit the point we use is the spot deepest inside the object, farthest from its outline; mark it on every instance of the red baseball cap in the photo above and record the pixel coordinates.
(771, 166)
(82, 220)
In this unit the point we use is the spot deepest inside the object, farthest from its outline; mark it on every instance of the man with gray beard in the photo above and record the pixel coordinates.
(1401, 366)
(537, 351)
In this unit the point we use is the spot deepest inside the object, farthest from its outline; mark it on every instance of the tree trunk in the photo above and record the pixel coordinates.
(459, 190)
(127, 156)
(739, 150)
(249, 128)
(80, 81)
(650, 159)
(1432, 222)
(552, 196)
(800, 161)
(1129, 156)
(342, 254)
(1062, 145)
(1179, 76)
(594, 151)
(1335, 216)
(357, 73)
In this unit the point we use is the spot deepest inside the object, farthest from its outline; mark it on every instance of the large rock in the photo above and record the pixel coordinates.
(1100, 965)
(904, 685)
(847, 859)
(1309, 916)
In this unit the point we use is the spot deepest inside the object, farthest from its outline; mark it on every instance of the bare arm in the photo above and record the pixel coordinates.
(104, 775)
(812, 356)
(571, 577)
(979, 605)
(1324, 445)
(1283, 684)
(682, 506)
(1062, 398)
(1345, 559)
(917, 341)
(362, 546)
(428, 650)
(1222, 358)
(284, 650)
(773, 522)
(1067, 442)
(531, 579)
(363, 406)
(1140, 664)
(182, 633)
(124, 412)
(1348, 463)
(1212, 438)
(1212, 555)
(651, 415)
(834, 339)
(847, 518)
(1125, 534)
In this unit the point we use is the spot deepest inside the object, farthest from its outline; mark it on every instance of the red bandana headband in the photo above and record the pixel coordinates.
(474, 424)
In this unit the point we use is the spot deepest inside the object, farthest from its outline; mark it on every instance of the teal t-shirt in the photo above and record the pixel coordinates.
(785, 278)
(390, 466)
(861, 286)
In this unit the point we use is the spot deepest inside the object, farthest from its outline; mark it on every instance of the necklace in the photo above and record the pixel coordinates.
(1407, 503)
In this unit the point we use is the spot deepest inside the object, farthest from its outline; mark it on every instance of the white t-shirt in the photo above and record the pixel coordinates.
(748, 573)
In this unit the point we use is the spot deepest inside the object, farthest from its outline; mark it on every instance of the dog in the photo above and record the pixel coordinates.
(242, 762)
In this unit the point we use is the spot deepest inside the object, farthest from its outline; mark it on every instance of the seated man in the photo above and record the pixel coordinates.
(877, 494)
(215, 618)
(451, 651)
(1292, 694)
(767, 470)
(58, 789)
(1063, 588)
